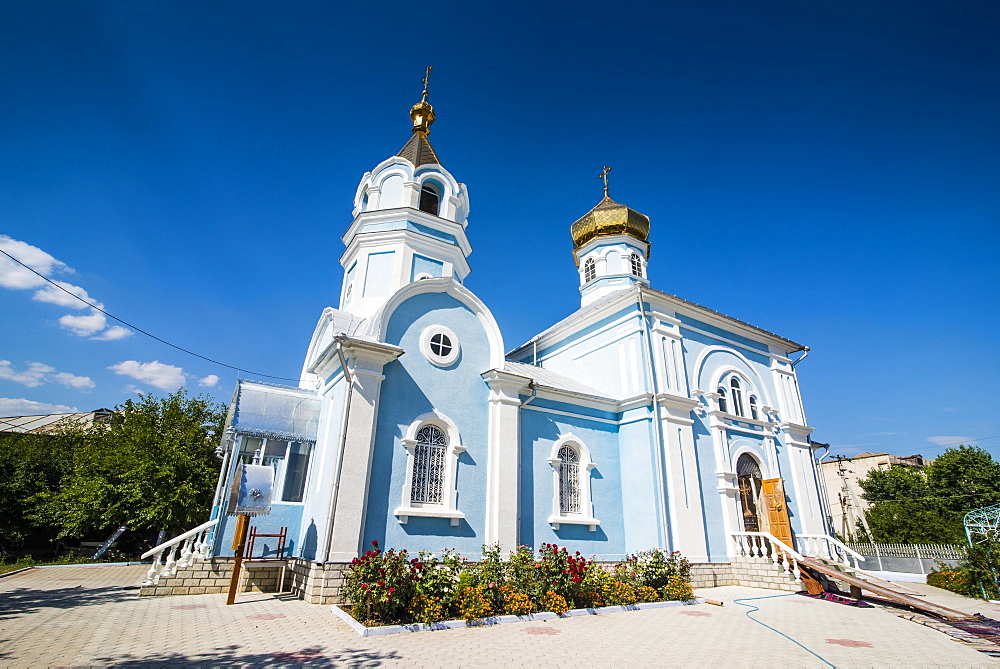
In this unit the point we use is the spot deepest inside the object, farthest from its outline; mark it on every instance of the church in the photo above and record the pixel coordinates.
(641, 420)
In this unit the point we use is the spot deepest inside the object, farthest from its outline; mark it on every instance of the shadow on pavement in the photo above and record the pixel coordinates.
(229, 656)
(22, 601)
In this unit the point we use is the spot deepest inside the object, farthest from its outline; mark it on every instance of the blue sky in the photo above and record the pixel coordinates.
(826, 170)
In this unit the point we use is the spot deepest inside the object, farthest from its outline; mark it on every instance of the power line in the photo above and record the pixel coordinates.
(918, 499)
(140, 330)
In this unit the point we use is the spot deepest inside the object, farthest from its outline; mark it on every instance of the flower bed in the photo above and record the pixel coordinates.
(392, 588)
(364, 630)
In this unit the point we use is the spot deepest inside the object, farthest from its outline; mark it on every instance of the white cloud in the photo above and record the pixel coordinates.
(38, 373)
(14, 276)
(112, 333)
(953, 441)
(132, 388)
(10, 406)
(74, 381)
(32, 377)
(209, 381)
(84, 326)
(51, 294)
(162, 376)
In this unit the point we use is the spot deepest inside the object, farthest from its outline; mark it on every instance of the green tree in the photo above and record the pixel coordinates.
(152, 466)
(927, 505)
(33, 466)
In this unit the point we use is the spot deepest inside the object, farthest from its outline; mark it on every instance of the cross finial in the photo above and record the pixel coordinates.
(427, 75)
(604, 175)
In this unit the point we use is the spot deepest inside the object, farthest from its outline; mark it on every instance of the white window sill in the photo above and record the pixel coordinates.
(556, 521)
(404, 512)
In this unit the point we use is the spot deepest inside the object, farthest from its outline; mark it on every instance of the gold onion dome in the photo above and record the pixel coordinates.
(418, 149)
(609, 218)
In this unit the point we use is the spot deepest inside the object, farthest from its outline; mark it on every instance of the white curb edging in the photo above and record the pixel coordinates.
(497, 620)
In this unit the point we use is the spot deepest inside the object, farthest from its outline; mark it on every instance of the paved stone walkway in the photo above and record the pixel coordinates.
(86, 616)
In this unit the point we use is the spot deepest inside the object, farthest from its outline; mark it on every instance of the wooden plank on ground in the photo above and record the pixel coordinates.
(886, 592)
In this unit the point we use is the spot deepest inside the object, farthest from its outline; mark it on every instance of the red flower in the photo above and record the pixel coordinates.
(374, 543)
(392, 590)
(381, 584)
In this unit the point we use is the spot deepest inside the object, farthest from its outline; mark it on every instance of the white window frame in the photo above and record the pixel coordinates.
(448, 507)
(635, 264)
(586, 514)
(278, 463)
(439, 360)
(589, 270)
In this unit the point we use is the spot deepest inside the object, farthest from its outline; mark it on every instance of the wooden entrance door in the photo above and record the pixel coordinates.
(773, 492)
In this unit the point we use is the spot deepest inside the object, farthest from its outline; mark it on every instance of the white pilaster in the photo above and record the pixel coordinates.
(684, 485)
(365, 361)
(503, 459)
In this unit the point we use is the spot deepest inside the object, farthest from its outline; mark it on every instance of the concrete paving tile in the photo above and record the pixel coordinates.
(94, 621)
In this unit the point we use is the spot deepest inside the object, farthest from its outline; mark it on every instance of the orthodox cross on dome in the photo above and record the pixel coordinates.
(604, 175)
(427, 76)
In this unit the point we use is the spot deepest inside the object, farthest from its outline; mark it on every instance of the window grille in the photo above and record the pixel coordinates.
(589, 270)
(722, 400)
(569, 480)
(427, 485)
(636, 265)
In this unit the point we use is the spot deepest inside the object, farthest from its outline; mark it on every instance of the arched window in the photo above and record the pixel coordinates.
(571, 495)
(734, 383)
(427, 484)
(589, 270)
(722, 400)
(433, 448)
(430, 198)
(754, 413)
(569, 480)
(636, 265)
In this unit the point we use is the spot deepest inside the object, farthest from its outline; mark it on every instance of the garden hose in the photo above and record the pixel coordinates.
(757, 608)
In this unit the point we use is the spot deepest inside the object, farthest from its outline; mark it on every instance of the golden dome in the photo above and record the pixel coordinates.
(609, 218)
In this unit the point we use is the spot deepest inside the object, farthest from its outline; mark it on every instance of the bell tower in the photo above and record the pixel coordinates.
(410, 216)
(610, 247)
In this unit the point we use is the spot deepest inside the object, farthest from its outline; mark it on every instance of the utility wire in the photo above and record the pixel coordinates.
(138, 329)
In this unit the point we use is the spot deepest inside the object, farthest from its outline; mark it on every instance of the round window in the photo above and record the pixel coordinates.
(439, 345)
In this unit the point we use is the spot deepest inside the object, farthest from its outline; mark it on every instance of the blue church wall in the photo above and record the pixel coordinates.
(282, 515)
(539, 431)
(323, 468)
(641, 496)
(425, 265)
(413, 387)
(732, 336)
(592, 355)
(715, 532)
(785, 464)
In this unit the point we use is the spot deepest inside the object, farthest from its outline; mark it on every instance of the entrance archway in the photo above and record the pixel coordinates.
(749, 478)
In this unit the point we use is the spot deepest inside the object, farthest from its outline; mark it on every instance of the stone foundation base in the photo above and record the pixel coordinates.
(712, 574)
(762, 573)
(315, 583)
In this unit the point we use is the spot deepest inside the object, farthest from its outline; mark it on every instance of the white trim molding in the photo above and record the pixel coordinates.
(448, 507)
(586, 514)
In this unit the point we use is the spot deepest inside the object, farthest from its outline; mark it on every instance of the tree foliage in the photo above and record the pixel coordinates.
(928, 505)
(33, 465)
(152, 466)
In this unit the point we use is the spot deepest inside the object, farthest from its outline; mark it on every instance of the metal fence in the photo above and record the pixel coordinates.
(920, 551)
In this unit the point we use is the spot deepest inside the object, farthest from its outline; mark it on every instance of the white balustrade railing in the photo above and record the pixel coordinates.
(831, 548)
(181, 551)
(766, 545)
